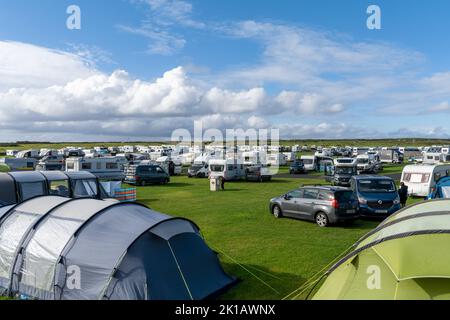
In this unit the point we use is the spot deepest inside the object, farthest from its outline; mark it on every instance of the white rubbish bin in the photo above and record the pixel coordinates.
(214, 184)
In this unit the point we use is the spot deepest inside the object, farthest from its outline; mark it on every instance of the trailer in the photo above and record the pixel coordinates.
(104, 168)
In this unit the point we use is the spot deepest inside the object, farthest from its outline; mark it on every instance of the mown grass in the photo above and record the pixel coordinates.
(282, 253)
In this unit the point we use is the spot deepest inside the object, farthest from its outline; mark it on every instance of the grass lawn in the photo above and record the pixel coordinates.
(282, 253)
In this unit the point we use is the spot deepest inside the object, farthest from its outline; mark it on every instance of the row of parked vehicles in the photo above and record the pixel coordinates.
(367, 196)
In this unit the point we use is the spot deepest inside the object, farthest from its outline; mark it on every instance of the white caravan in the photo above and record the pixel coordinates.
(171, 165)
(276, 159)
(310, 162)
(431, 157)
(103, 168)
(421, 179)
(228, 169)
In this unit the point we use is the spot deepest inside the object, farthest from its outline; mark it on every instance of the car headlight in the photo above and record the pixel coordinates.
(362, 201)
(397, 201)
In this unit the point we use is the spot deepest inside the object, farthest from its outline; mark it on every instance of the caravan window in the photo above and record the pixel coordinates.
(217, 168)
(59, 188)
(86, 166)
(112, 165)
(84, 188)
(417, 177)
(29, 190)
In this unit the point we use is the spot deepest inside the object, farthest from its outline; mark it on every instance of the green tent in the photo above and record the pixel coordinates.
(405, 257)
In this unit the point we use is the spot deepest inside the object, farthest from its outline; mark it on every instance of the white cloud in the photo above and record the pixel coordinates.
(24, 65)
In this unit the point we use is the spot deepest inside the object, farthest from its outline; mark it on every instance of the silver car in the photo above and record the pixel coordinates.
(323, 204)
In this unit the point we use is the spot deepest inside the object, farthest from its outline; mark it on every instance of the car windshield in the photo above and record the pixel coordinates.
(344, 170)
(376, 186)
(196, 167)
(217, 168)
(363, 160)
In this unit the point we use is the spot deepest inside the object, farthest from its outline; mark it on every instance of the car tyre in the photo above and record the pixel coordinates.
(276, 211)
(322, 220)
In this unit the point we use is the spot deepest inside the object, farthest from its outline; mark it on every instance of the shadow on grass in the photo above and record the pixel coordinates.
(259, 283)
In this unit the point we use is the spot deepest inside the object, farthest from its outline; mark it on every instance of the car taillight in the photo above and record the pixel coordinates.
(335, 204)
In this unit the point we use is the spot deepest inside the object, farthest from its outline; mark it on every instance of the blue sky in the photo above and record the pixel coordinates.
(138, 69)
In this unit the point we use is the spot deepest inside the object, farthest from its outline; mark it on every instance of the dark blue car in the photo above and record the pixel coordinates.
(378, 196)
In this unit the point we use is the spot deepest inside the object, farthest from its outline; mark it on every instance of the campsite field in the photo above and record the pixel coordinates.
(272, 257)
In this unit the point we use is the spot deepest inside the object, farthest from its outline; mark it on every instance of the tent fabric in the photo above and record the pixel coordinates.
(406, 254)
(4, 210)
(115, 251)
(6, 185)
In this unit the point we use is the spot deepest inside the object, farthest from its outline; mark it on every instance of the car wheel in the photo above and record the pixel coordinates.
(276, 211)
(201, 175)
(322, 220)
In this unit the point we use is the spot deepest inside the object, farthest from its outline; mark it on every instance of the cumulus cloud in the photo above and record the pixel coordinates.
(23, 65)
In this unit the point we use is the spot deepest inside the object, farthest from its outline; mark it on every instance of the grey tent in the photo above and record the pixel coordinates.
(7, 190)
(53, 247)
(29, 184)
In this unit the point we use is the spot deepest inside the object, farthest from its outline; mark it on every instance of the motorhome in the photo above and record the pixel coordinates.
(228, 169)
(341, 172)
(364, 164)
(390, 156)
(19, 164)
(421, 179)
(104, 167)
(28, 154)
(359, 151)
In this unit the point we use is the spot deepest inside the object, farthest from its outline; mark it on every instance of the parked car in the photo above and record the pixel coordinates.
(145, 174)
(323, 204)
(257, 173)
(297, 167)
(378, 196)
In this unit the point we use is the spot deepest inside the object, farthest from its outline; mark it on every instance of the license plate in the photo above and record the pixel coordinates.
(351, 211)
(381, 211)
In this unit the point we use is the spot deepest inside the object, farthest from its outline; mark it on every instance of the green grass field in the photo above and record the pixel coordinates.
(272, 257)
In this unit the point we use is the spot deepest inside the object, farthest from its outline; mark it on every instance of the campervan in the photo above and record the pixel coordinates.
(228, 169)
(421, 179)
(390, 156)
(341, 172)
(104, 168)
(364, 164)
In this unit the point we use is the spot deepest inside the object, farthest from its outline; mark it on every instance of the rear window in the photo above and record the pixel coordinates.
(217, 168)
(344, 196)
(325, 195)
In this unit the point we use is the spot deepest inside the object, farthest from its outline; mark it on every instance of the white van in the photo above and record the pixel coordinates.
(228, 169)
(421, 179)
